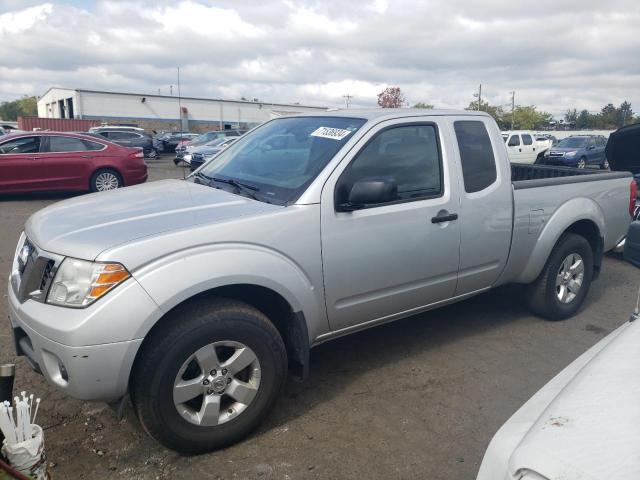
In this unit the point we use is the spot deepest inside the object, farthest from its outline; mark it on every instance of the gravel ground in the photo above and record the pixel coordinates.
(418, 398)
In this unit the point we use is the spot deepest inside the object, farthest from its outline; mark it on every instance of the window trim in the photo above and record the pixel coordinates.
(406, 200)
(517, 135)
(24, 136)
(46, 139)
(496, 161)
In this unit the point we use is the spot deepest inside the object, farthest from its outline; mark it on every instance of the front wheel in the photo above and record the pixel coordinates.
(582, 163)
(564, 282)
(208, 376)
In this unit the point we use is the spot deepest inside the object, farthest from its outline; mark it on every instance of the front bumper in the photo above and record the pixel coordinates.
(87, 353)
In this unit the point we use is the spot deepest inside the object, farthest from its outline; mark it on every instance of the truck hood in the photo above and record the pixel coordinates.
(590, 430)
(85, 226)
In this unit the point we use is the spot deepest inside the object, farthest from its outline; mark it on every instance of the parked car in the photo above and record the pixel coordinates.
(171, 140)
(51, 161)
(128, 138)
(123, 128)
(580, 425)
(203, 139)
(579, 151)
(544, 142)
(205, 153)
(198, 296)
(522, 146)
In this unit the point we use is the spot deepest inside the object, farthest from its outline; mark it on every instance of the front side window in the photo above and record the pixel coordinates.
(476, 155)
(514, 141)
(66, 144)
(408, 155)
(21, 145)
(280, 158)
(527, 140)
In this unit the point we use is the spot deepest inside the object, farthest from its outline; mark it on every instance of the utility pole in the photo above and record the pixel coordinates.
(479, 96)
(513, 107)
(179, 105)
(347, 99)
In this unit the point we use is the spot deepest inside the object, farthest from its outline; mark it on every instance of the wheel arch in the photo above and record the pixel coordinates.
(291, 324)
(589, 224)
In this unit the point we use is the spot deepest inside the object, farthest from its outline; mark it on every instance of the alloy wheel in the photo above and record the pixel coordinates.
(107, 181)
(216, 383)
(569, 278)
(582, 163)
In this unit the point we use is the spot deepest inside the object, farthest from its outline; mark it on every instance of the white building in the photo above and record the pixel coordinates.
(160, 112)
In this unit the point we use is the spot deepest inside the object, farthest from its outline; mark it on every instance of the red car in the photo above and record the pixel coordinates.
(61, 161)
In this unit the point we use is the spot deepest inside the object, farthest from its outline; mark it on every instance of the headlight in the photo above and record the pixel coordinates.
(79, 283)
(572, 153)
(546, 153)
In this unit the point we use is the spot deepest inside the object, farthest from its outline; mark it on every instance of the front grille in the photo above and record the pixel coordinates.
(34, 274)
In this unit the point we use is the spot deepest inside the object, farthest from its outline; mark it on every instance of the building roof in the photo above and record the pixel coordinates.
(183, 98)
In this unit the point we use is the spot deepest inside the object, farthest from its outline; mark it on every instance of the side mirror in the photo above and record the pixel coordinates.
(591, 147)
(369, 192)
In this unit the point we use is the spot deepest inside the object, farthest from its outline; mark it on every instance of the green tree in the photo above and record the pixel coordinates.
(494, 110)
(23, 107)
(571, 117)
(423, 105)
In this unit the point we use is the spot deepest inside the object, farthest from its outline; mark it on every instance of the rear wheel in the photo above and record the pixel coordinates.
(105, 179)
(207, 377)
(604, 165)
(564, 282)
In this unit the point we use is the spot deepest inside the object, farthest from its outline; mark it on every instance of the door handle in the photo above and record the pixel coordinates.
(519, 149)
(86, 156)
(534, 149)
(445, 217)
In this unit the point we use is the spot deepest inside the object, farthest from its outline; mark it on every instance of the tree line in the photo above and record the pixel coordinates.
(528, 117)
(23, 107)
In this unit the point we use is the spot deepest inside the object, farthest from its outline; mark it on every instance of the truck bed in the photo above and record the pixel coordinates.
(530, 176)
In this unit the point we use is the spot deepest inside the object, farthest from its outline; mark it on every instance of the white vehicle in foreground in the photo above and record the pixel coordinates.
(582, 425)
(523, 146)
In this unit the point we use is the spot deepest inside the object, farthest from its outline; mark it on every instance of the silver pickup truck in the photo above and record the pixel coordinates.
(196, 297)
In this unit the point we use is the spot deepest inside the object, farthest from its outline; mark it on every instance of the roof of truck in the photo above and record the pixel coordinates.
(390, 113)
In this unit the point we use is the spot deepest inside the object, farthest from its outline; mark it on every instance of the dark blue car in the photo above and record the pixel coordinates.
(579, 151)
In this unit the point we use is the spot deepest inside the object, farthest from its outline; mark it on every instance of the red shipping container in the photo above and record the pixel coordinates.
(56, 124)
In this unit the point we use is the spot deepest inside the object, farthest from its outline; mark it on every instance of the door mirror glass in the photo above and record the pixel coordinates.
(367, 192)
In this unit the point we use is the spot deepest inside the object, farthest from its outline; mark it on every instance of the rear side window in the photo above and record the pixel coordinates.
(514, 141)
(66, 144)
(407, 154)
(93, 145)
(21, 145)
(476, 155)
(527, 140)
(123, 135)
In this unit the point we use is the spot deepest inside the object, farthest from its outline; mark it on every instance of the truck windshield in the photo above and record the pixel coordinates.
(279, 159)
(572, 142)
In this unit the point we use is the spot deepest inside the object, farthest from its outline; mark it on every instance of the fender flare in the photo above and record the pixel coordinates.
(558, 223)
(204, 268)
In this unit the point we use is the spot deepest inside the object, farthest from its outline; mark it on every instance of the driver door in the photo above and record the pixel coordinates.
(387, 260)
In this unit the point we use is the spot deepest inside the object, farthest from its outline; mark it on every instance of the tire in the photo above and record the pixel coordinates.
(604, 165)
(544, 294)
(160, 371)
(582, 163)
(105, 179)
(153, 153)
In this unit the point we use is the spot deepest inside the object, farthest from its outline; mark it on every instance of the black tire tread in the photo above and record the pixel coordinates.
(537, 293)
(191, 316)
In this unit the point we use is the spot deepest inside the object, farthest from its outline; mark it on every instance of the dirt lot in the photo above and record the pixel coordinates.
(419, 398)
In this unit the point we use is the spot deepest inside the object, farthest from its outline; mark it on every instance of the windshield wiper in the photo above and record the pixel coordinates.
(203, 175)
(245, 187)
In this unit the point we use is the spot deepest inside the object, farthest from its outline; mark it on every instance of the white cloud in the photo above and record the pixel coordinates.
(557, 55)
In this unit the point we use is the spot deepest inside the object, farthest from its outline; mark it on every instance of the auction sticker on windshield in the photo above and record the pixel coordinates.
(328, 132)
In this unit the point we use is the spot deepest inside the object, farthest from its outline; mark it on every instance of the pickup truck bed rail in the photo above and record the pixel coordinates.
(532, 176)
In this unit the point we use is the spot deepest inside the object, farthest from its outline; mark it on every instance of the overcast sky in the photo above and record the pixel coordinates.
(555, 54)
